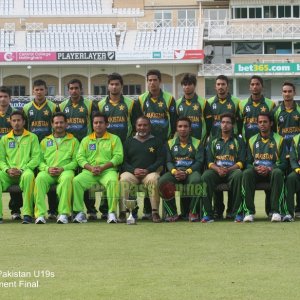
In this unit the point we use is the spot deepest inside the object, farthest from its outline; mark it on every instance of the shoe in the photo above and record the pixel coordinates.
(1, 220)
(104, 217)
(238, 219)
(207, 219)
(229, 216)
(52, 216)
(156, 218)
(288, 218)
(193, 217)
(92, 216)
(276, 217)
(297, 214)
(218, 216)
(171, 219)
(112, 218)
(27, 220)
(183, 217)
(40, 220)
(80, 218)
(122, 217)
(16, 216)
(147, 217)
(62, 219)
(248, 219)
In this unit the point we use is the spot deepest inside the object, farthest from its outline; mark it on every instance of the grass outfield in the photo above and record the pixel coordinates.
(222, 260)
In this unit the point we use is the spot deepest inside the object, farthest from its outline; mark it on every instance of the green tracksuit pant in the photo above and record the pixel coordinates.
(192, 180)
(85, 180)
(26, 183)
(63, 190)
(276, 179)
(211, 178)
(292, 186)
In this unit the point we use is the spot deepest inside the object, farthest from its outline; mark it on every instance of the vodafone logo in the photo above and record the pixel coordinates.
(8, 56)
(179, 54)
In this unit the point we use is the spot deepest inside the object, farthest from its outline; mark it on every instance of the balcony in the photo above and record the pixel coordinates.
(254, 31)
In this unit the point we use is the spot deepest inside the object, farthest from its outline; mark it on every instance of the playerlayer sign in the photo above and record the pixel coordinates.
(267, 68)
(95, 56)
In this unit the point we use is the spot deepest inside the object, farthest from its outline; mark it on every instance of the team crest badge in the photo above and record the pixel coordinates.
(31, 113)
(92, 146)
(11, 145)
(49, 143)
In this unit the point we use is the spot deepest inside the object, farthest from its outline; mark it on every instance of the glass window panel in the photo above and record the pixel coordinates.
(296, 11)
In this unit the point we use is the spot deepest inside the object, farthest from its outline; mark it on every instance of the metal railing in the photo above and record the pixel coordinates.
(246, 31)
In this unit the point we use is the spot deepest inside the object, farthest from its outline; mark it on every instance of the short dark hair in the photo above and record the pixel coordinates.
(5, 90)
(228, 115)
(73, 81)
(143, 118)
(99, 114)
(257, 78)
(39, 82)
(223, 77)
(114, 76)
(189, 78)
(265, 114)
(18, 113)
(186, 119)
(59, 114)
(289, 84)
(154, 72)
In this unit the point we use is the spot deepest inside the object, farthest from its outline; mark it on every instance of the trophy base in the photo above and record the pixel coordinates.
(131, 221)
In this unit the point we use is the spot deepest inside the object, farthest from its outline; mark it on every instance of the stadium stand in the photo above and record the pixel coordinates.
(70, 37)
(168, 38)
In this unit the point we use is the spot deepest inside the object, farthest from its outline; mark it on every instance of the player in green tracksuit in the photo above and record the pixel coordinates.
(293, 179)
(58, 165)
(20, 155)
(225, 158)
(287, 122)
(250, 108)
(79, 112)
(100, 154)
(15, 202)
(5, 110)
(266, 161)
(39, 113)
(185, 156)
(160, 108)
(222, 103)
(195, 108)
(122, 112)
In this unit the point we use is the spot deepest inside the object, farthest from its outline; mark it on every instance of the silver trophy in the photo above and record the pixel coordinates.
(131, 205)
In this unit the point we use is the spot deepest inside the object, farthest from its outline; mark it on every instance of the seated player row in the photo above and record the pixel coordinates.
(100, 154)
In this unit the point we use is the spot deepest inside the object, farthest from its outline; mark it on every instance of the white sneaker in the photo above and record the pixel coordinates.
(276, 217)
(249, 218)
(40, 220)
(62, 219)
(112, 218)
(80, 218)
